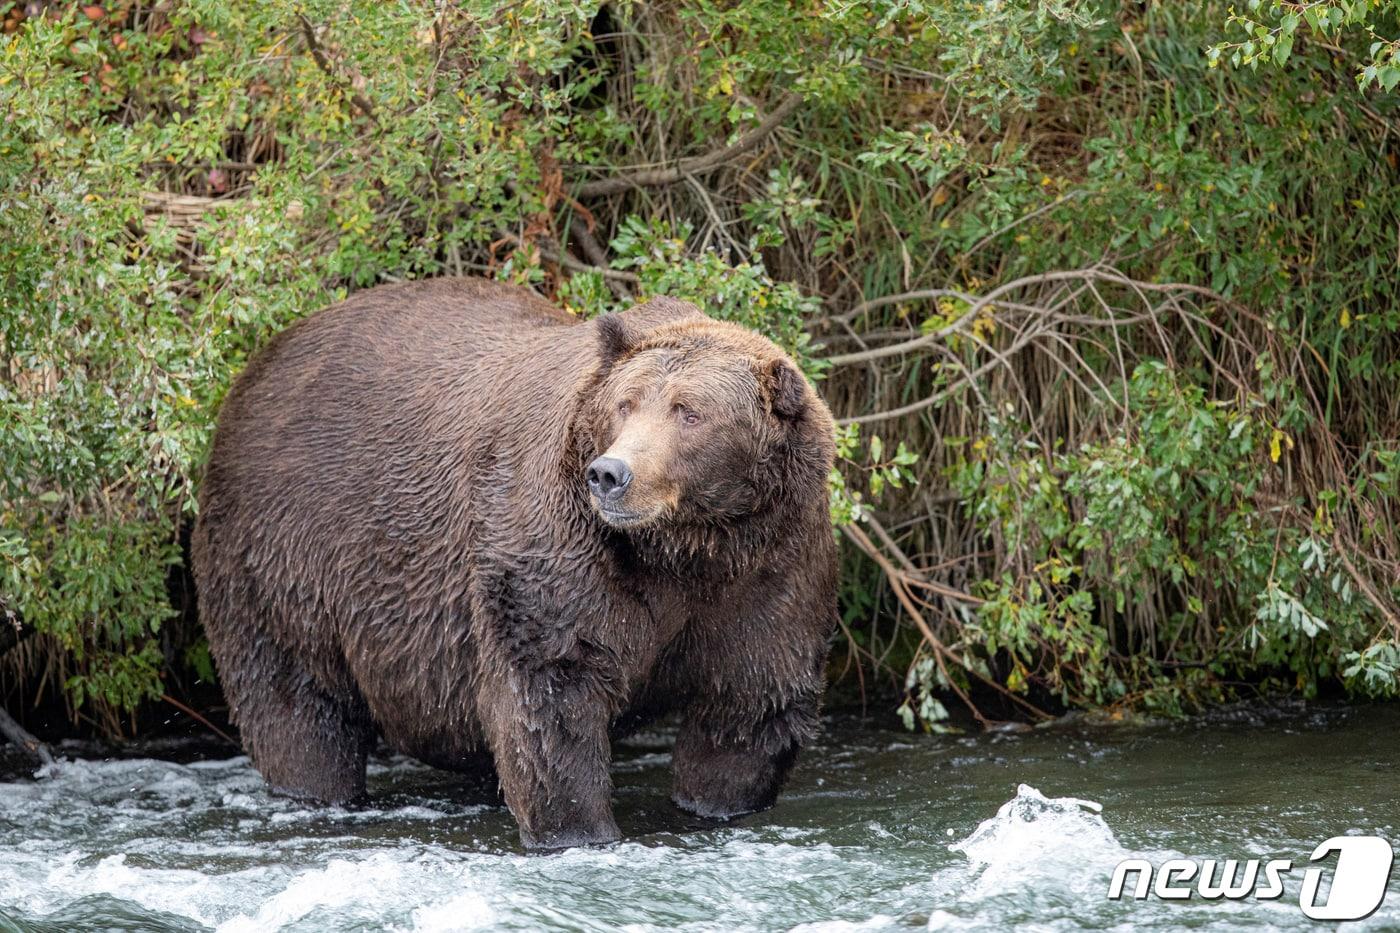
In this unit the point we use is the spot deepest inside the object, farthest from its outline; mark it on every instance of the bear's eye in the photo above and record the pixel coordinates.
(686, 415)
(624, 408)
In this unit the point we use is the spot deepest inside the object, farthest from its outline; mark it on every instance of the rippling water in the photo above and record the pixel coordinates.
(879, 830)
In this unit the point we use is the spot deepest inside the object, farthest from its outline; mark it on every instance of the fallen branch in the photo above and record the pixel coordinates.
(18, 735)
(669, 175)
(893, 576)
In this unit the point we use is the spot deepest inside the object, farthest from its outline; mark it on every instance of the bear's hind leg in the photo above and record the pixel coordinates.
(306, 743)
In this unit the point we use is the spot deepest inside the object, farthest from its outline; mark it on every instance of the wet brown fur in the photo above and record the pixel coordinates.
(395, 538)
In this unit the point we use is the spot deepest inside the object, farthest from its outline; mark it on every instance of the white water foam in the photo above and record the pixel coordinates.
(1054, 852)
(1034, 840)
(206, 846)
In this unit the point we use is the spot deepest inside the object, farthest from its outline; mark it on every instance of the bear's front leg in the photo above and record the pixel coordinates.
(548, 734)
(726, 765)
(754, 690)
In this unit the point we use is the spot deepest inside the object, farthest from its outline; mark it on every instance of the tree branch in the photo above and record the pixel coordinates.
(898, 581)
(197, 717)
(939, 396)
(573, 264)
(593, 251)
(885, 301)
(976, 304)
(359, 100)
(669, 175)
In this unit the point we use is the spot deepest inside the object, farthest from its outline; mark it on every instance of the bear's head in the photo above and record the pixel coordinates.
(697, 424)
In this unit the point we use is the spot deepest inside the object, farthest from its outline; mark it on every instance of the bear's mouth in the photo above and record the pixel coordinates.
(619, 518)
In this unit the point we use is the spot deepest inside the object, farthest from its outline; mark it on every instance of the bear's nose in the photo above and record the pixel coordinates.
(608, 478)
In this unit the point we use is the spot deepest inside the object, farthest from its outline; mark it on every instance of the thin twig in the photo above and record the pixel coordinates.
(200, 719)
(1064, 199)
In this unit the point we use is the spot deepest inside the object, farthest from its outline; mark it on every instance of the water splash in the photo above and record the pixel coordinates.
(1045, 863)
(1052, 856)
(1034, 839)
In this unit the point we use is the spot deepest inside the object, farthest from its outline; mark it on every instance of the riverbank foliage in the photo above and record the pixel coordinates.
(1106, 294)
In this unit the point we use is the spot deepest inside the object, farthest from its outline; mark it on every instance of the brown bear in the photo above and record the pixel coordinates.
(452, 515)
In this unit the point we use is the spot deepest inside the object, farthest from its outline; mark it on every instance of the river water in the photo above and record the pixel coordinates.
(879, 829)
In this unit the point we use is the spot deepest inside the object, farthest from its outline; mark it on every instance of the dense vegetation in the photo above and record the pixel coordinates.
(1104, 293)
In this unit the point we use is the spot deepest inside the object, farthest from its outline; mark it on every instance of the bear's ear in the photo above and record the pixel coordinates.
(619, 333)
(786, 388)
(613, 339)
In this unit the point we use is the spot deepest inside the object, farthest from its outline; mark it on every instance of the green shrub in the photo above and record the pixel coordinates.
(1102, 489)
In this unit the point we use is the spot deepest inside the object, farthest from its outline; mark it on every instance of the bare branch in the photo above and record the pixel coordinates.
(198, 717)
(593, 251)
(899, 581)
(573, 264)
(976, 304)
(669, 175)
(939, 396)
(874, 304)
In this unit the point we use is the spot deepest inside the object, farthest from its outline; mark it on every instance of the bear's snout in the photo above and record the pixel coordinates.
(608, 479)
